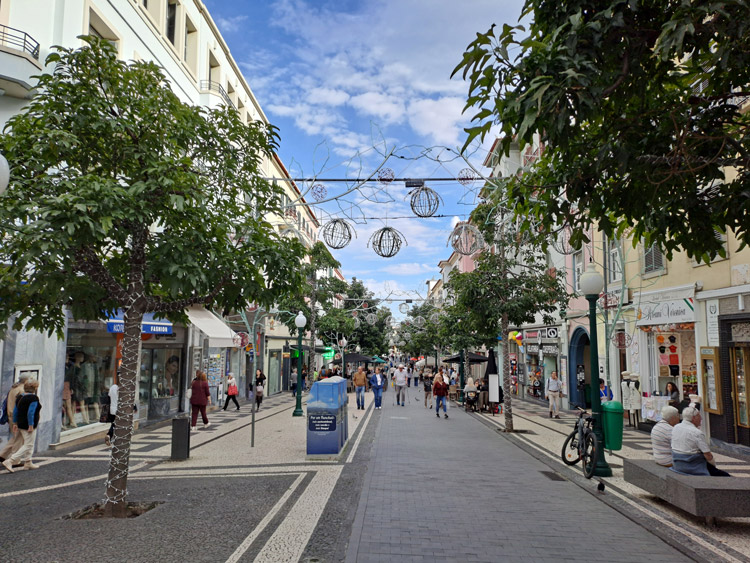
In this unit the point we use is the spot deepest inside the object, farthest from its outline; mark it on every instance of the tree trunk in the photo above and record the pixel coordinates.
(507, 401)
(117, 479)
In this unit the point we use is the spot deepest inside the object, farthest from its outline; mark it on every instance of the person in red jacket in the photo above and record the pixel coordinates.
(200, 397)
(440, 390)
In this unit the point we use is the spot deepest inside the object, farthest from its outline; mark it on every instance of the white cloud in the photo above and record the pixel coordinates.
(409, 269)
(327, 96)
(439, 120)
(389, 109)
(231, 24)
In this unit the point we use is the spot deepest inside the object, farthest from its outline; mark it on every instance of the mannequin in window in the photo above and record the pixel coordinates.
(74, 389)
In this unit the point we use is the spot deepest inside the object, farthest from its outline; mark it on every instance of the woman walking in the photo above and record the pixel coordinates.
(232, 391)
(440, 390)
(260, 381)
(200, 397)
(25, 421)
(427, 383)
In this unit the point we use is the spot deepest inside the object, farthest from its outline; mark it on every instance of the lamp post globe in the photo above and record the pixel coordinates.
(300, 321)
(4, 174)
(358, 349)
(591, 284)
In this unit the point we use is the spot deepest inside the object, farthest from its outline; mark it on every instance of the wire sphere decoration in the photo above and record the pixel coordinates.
(424, 201)
(371, 318)
(386, 175)
(354, 314)
(337, 233)
(403, 308)
(319, 192)
(562, 242)
(435, 317)
(401, 343)
(621, 340)
(365, 305)
(386, 242)
(419, 321)
(466, 176)
(357, 323)
(407, 336)
(466, 239)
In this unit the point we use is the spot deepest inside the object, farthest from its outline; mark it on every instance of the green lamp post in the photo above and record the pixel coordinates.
(300, 321)
(592, 283)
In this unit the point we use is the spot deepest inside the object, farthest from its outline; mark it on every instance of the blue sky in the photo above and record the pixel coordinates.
(348, 80)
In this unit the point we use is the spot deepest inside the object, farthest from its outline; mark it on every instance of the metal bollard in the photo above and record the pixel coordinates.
(180, 438)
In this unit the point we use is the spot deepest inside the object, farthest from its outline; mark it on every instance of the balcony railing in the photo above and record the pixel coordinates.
(219, 89)
(19, 40)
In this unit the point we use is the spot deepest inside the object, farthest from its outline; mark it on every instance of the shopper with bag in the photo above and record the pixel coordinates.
(232, 391)
(200, 398)
(260, 381)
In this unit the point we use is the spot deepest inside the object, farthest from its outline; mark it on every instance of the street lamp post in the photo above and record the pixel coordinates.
(300, 321)
(592, 284)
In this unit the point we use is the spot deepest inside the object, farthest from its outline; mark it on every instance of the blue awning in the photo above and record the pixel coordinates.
(150, 325)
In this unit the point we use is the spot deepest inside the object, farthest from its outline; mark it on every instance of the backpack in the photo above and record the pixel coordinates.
(4, 410)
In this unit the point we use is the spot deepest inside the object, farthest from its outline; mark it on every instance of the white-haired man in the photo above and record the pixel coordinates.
(690, 452)
(400, 377)
(661, 436)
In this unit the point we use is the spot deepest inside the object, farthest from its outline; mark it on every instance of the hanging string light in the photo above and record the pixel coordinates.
(386, 242)
(466, 239)
(319, 192)
(424, 201)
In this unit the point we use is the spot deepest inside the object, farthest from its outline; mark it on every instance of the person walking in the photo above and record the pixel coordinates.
(552, 392)
(114, 394)
(232, 391)
(377, 381)
(440, 390)
(25, 422)
(401, 379)
(200, 398)
(360, 386)
(427, 384)
(16, 441)
(260, 381)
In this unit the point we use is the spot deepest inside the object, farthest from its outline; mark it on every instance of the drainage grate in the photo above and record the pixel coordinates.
(552, 476)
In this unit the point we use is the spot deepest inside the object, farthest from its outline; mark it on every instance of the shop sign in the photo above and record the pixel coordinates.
(741, 332)
(539, 333)
(329, 353)
(532, 349)
(666, 312)
(712, 322)
(321, 422)
(285, 354)
(550, 349)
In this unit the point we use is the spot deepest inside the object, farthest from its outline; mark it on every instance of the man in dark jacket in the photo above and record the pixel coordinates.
(25, 421)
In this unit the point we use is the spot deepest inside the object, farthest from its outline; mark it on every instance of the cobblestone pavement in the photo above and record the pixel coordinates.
(453, 490)
(543, 437)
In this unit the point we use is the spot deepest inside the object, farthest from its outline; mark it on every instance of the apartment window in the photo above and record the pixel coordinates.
(578, 267)
(614, 263)
(190, 49)
(172, 21)
(653, 259)
(98, 28)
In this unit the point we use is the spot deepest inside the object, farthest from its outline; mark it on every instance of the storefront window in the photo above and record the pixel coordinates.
(159, 380)
(89, 371)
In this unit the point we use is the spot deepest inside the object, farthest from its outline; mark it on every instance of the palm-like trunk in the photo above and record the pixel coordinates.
(117, 479)
(507, 401)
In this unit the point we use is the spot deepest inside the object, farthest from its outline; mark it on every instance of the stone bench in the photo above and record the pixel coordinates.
(706, 497)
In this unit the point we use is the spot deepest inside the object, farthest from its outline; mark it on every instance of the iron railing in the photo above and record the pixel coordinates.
(219, 89)
(19, 40)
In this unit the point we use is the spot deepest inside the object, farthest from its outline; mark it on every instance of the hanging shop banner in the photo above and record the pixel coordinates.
(666, 312)
(150, 325)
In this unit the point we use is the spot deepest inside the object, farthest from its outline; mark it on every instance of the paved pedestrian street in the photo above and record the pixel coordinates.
(409, 487)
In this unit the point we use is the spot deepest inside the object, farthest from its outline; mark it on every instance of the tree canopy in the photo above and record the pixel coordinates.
(638, 105)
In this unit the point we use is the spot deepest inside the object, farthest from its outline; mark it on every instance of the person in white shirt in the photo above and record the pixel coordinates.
(690, 452)
(661, 436)
(114, 392)
(400, 377)
(552, 392)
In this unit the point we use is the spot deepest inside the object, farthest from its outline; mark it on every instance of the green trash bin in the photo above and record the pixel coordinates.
(612, 419)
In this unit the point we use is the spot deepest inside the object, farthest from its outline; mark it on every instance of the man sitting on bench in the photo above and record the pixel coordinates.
(690, 452)
(661, 436)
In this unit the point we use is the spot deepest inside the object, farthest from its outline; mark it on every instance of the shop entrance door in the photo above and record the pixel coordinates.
(159, 382)
(740, 357)
(274, 372)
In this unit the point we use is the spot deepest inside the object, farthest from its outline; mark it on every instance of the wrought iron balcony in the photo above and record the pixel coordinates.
(219, 89)
(19, 41)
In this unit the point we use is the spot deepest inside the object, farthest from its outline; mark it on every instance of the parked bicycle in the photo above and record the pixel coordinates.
(582, 444)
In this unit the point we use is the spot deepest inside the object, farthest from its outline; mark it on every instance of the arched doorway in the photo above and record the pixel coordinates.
(580, 359)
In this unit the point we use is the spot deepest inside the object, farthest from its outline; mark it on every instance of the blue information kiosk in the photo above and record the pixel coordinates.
(327, 418)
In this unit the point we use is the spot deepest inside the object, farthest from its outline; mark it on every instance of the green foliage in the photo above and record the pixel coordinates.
(122, 196)
(638, 108)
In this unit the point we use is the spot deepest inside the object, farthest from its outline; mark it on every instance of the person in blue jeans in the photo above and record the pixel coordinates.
(360, 386)
(440, 391)
(377, 381)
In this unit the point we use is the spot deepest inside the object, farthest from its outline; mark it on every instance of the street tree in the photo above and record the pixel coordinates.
(509, 287)
(371, 338)
(641, 111)
(124, 197)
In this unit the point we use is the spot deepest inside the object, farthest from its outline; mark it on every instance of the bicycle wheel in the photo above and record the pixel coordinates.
(590, 450)
(570, 455)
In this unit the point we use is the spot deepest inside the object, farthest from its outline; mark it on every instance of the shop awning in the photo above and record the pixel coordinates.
(219, 334)
(150, 325)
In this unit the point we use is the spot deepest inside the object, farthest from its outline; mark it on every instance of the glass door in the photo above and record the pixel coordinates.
(740, 357)
(274, 373)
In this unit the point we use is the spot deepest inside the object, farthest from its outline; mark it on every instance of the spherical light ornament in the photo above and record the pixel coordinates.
(354, 313)
(424, 201)
(407, 336)
(386, 175)
(401, 343)
(337, 233)
(435, 317)
(319, 192)
(371, 319)
(4, 174)
(419, 321)
(466, 176)
(466, 239)
(386, 242)
(403, 308)
(357, 323)
(365, 305)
